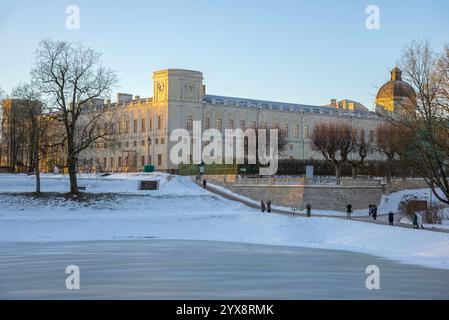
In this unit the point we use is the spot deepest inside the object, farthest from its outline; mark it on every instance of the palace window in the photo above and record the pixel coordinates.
(275, 125)
(189, 122)
(306, 132)
(135, 143)
(253, 125)
(219, 125)
(230, 123)
(159, 159)
(135, 125)
(242, 125)
(371, 136)
(143, 161)
(296, 131)
(159, 123)
(142, 143)
(362, 135)
(151, 124)
(143, 126)
(285, 130)
(162, 140)
(207, 123)
(263, 125)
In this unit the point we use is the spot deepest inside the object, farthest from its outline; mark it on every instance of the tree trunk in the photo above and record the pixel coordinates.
(337, 171)
(37, 169)
(388, 170)
(72, 176)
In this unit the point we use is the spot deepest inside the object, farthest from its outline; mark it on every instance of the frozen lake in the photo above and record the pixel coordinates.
(171, 269)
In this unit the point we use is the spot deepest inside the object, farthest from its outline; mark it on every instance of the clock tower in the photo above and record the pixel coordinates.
(178, 85)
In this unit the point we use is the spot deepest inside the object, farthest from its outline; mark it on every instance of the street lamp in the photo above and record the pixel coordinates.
(149, 150)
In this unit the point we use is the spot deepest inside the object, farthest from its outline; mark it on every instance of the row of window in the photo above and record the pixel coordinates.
(143, 125)
(264, 125)
(103, 145)
(243, 126)
(125, 162)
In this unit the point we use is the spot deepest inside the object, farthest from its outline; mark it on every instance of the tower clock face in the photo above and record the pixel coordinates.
(189, 87)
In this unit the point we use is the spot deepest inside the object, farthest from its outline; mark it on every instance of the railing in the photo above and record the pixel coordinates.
(306, 181)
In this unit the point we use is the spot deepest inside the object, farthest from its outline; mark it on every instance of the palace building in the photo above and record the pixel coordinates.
(180, 98)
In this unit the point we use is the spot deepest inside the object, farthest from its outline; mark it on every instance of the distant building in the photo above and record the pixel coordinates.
(15, 132)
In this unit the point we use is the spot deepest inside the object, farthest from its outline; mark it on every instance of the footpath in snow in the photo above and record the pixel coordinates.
(183, 210)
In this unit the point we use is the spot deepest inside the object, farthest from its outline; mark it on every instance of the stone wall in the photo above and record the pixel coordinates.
(320, 197)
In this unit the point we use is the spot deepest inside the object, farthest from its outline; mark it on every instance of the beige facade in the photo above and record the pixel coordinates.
(179, 98)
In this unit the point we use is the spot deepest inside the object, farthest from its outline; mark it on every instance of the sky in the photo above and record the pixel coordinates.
(290, 51)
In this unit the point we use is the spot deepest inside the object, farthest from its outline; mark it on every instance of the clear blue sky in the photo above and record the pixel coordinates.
(293, 51)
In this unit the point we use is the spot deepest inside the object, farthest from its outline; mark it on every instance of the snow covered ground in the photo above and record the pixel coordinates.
(181, 210)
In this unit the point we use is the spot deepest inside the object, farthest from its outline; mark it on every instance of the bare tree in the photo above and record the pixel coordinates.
(335, 141)
(280, 148)
(36, 124)
(428, 119)
(390, 141)
(72, 80)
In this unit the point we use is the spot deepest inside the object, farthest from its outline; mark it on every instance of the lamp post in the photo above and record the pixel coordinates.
(149, 150)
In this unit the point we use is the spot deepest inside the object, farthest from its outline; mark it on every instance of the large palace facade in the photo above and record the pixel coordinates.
(180, 98)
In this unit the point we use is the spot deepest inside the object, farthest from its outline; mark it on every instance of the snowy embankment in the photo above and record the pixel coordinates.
(388, 202)
(182, 210)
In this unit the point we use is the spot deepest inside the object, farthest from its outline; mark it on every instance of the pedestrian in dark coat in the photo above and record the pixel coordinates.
(348, 211)
(262, 206)
(204, 183)
(370, 209)
(415, 221)
(374, 211)
(391, 218)
(309, 209)
(269, 206)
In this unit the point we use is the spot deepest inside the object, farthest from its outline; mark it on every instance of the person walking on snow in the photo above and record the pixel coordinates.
(348, 211)
(415, 221)
(391, 218)
(269, 206)
(262, 206)
(370, 209)
(374, 211)
(204, 183)
(419, 221)
(309, 210)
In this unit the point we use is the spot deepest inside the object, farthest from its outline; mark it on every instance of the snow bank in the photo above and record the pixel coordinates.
(124, 183)
(182, 210)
